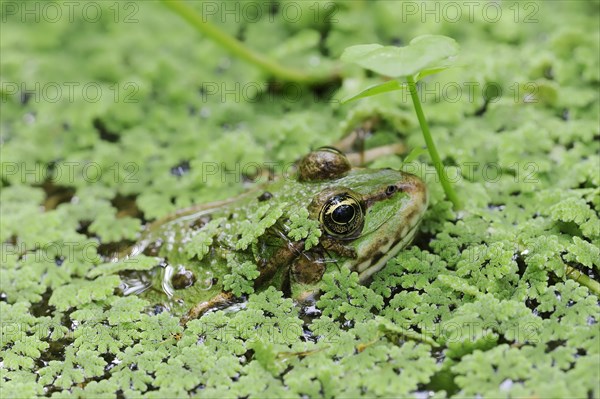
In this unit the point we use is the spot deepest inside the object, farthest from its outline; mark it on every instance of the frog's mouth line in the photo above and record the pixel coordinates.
(366, 270)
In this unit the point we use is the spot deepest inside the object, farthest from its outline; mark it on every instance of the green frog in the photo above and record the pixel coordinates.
(285, 233)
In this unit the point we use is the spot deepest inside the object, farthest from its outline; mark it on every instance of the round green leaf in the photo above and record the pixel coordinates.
(427, 52)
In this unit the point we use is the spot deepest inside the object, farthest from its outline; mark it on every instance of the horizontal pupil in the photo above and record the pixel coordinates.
(343, 214)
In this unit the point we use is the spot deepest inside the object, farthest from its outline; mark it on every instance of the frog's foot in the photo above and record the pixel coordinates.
(352, 145)
(220, 300)
(355, 140)
(364, 157)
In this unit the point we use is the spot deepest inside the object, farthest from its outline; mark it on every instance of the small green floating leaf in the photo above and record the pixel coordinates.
(126, 310)
(81, 292)
(459, 284)
(344, 296)
(200, 244)
(425, 54)
(301, 227)
(583, 252)
(241, 279)
(258, 222)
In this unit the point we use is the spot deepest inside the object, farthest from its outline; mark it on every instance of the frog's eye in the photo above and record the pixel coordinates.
(325, 163)
(342, 215)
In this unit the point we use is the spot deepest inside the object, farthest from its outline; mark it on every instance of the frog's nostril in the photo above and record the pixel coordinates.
(391, 190)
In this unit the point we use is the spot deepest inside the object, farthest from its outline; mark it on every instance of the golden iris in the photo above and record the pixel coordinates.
(342, 215)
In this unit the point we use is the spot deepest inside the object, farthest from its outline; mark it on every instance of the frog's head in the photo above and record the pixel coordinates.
(373, 212)
(367, 215)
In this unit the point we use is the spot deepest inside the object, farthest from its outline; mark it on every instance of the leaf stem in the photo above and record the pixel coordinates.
(238, 49)
(582, 279)
(435, 157)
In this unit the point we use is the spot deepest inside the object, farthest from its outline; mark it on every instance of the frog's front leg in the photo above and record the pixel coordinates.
(273, 269)
(304, 277)
(308, 269)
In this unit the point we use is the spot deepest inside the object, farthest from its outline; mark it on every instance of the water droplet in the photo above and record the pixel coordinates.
(204, 280)
(167, 287)
(135, 283)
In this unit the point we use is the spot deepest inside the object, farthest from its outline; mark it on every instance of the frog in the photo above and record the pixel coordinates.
(359, 218)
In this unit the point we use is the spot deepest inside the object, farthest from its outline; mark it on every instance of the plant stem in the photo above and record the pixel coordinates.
(582, 279)
(238, 49)
(435, 157)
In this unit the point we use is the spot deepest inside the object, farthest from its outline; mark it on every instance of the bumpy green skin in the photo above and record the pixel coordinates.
(393, 203)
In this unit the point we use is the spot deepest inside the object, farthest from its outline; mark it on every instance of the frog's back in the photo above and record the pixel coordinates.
(195, 247)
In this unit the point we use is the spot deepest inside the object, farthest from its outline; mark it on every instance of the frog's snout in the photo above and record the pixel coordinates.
(415, 188)
(400, 226)
(412, 213)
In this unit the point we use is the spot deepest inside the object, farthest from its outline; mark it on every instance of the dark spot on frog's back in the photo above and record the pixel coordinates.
(265, 196)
